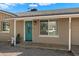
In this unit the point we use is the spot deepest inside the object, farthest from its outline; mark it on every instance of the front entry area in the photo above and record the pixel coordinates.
(28, 30)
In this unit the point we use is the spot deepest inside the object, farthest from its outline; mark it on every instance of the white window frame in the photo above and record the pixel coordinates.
(57, 36)
(2, 28)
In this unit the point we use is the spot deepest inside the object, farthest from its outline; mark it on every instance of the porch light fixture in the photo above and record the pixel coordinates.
(35, 21)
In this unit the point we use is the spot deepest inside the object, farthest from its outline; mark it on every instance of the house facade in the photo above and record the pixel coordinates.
(52, 27)
(5, 26)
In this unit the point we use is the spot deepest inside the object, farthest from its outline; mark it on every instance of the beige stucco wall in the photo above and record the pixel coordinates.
(20, 29)
(6, 36)
(62, 31)
(75, 31)
(11, 28)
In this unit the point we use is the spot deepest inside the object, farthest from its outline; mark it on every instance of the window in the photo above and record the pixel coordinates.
(5, 26)
(48, 28)
(44, 27)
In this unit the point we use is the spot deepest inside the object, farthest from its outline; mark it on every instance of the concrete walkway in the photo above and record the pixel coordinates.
(45, 46)
(7, 50)
(14, 51)
(75, 50)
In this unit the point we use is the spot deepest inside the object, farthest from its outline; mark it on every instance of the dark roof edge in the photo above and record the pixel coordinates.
(50, 14)
(8, 12)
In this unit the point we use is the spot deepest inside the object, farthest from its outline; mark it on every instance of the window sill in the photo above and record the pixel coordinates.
(57, 36)
(4, 32)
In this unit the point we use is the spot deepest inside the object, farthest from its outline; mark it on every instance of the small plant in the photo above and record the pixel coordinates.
(18, 39)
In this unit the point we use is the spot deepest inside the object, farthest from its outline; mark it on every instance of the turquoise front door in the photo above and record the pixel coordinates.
(28, 30)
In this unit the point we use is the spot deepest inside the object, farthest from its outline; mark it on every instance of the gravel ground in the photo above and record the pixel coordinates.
(18, 51)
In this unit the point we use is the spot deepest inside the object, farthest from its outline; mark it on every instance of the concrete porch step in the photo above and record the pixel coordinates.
(44, 46)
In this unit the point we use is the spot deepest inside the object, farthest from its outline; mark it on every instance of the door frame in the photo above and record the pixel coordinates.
(25, 33)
